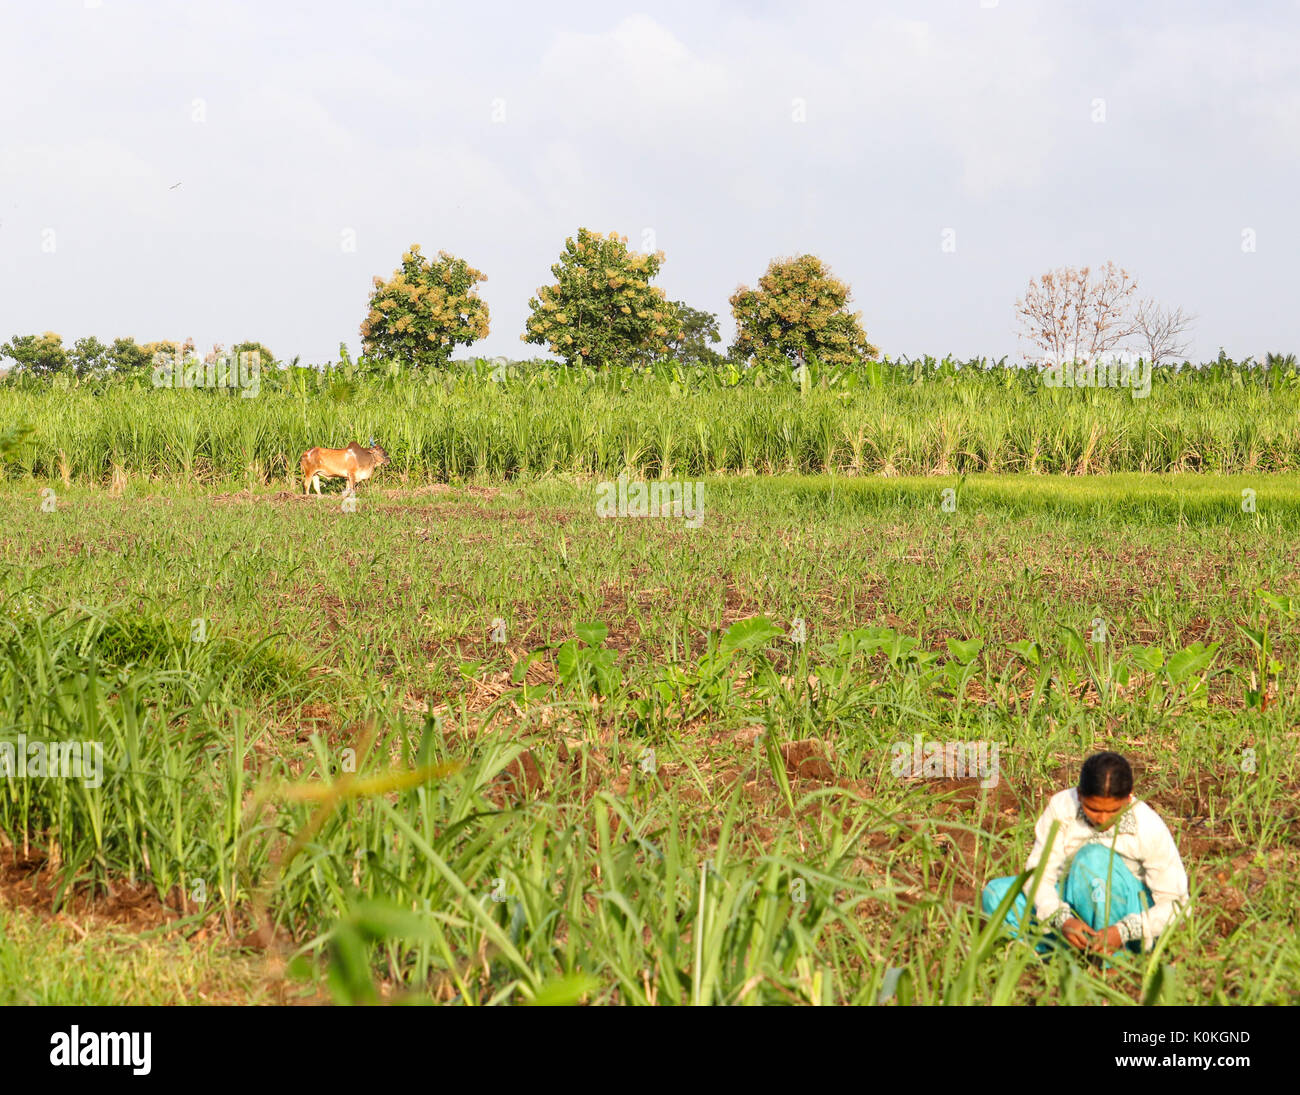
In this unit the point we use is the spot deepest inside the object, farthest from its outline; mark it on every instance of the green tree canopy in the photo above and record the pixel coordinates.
(799, 307)
(125, 356)
(699, 334)
(88, 357)
(37, 355)
(602, 308)
(268, 359)
(425, 310)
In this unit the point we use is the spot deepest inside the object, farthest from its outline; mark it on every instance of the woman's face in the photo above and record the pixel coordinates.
(1102, 811)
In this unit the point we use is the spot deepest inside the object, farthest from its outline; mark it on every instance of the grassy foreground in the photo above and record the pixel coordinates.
(478, 744)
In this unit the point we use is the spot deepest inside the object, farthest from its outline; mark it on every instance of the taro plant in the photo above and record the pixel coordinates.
(713, 682)
(586, 664)
(1187, 671)
(1265, 665)
(962, 667)
(1179, 678)
(709, 685)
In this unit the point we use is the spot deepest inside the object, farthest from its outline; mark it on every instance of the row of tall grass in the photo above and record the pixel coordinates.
(410, 869)
(493, 422)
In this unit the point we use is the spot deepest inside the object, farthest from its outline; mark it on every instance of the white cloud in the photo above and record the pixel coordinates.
(637, 78)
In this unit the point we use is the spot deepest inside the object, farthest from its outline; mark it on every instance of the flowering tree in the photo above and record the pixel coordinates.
(798, 308)
(602, 308)
(425, 310)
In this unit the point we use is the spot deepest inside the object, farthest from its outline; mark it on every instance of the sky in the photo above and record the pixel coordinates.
(242, 170)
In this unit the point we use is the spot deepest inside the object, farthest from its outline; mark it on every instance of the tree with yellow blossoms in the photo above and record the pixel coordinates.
(799, 308)
(602, 309)
(425, 310)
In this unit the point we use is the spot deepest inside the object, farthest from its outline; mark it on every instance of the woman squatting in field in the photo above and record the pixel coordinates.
(1113, 877)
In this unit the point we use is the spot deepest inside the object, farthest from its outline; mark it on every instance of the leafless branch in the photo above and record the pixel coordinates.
(1160, 332)
(1072, 315)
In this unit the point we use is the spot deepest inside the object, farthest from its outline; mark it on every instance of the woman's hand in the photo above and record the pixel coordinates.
(1106, 942)
(1077, 933)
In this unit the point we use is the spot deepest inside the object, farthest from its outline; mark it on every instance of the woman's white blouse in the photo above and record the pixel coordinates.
(1140, 839)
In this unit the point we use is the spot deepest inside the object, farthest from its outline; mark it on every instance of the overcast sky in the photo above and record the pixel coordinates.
(315, 141)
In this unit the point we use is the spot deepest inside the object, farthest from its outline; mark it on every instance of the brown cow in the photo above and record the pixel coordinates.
(354, 463)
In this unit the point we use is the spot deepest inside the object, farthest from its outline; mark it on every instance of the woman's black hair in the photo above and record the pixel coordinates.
(1105, 775)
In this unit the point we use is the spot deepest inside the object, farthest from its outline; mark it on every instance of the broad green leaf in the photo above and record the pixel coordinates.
(593, 634)
(566, 661)
(1278, 602)
(756, 631)
(1029, 652)
(520, 668)
(1257, 636)
(964, 650)
(1148, 658)
(1194, 659)
(564, 991)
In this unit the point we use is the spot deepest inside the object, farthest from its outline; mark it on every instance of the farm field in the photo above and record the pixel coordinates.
(474, 743)
(517, 422)
(645, 507)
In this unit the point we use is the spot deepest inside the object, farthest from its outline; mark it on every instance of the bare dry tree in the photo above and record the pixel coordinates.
(1073, 316)
(1160, 331)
